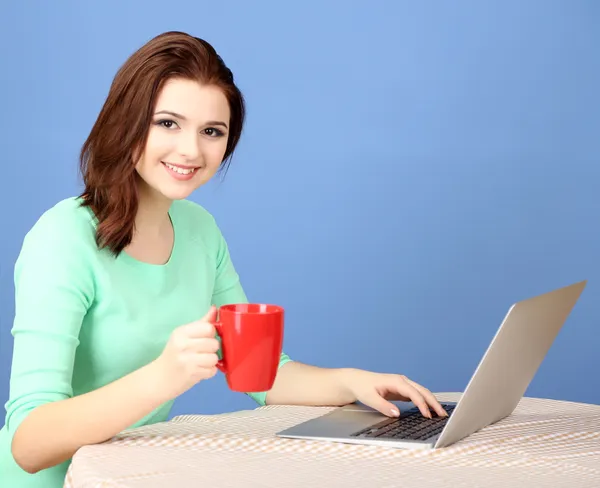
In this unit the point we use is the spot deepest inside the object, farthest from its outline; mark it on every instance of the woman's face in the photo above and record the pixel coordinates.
(187, 138)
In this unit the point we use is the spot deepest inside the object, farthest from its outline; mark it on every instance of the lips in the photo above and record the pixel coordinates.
(183, 170)
(180, 172)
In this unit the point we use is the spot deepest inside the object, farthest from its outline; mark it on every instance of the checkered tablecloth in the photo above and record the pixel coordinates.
(544, 443)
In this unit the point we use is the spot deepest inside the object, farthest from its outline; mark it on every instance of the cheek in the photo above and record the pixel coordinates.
(157, 146)
(215, 151)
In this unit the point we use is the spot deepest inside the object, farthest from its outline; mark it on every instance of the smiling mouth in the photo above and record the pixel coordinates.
(179, 169)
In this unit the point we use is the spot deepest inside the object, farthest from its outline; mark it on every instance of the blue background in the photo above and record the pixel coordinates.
(408, 170)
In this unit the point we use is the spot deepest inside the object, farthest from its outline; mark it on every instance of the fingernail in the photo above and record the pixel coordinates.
(394, 412)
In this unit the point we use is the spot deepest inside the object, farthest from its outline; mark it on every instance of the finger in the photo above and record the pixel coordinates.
(210, 372)
(377, 402)
(202, 345)
(204, 360)
(211, 315)
(430, 398)
(199, 329)
(406, 389)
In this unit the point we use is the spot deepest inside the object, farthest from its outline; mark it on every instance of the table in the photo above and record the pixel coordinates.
(543, 443)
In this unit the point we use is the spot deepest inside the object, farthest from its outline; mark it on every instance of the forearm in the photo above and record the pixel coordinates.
(53, 432)
(302, 384)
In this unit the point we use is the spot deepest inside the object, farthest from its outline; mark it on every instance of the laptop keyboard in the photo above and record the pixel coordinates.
(410, 425)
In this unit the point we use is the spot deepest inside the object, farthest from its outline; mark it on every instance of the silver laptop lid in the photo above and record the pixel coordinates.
(510, 362)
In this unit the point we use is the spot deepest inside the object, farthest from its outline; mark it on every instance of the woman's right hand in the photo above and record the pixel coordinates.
(189, 356)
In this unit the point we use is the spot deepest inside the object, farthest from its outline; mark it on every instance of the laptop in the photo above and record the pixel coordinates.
(496, 387)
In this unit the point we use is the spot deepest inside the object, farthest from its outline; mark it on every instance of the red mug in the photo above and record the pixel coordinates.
(251, 345)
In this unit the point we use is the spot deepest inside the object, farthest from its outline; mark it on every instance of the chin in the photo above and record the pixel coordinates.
(177, 193)
(171, 189)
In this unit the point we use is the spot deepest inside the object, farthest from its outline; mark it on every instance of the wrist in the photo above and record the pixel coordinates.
(156, 382)
(344, 380)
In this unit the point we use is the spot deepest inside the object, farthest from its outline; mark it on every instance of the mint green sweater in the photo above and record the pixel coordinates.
(85, 318)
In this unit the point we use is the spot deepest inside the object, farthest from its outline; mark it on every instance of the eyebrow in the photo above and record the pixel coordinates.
(179, 116)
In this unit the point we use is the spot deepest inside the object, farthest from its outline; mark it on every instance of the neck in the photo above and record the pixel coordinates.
(152, 218)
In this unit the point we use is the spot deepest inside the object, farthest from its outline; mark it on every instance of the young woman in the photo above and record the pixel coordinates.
(116, 289)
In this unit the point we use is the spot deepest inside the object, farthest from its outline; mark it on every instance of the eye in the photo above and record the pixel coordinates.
(212, 132)
(167, 123)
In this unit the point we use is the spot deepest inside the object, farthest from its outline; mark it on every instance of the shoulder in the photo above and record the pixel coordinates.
(198, 226)
(197, 222)
(193, 213)
(59, 252)
(65, 225)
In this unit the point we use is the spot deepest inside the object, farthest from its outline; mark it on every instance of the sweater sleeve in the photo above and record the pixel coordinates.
(228, 289)
(53, 291)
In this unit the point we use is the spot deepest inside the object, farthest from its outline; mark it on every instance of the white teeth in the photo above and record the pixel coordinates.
(181, 171)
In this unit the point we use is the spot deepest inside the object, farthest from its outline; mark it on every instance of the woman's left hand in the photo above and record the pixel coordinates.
(375, 389)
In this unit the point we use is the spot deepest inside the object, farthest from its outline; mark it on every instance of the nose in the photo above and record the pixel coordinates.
(189, 145)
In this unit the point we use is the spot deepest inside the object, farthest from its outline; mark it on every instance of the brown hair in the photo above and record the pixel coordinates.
(121, 129)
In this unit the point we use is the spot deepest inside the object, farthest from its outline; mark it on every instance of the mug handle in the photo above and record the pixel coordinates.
(220, 363)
